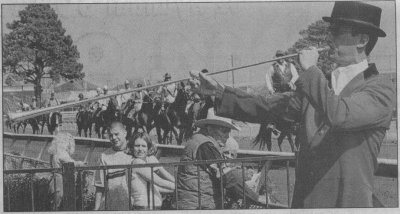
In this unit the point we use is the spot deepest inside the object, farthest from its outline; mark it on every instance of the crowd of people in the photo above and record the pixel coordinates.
(209, 143)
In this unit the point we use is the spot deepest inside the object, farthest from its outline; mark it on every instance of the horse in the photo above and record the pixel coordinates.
(143, 119)
(283, 127)
(174, 116)
(33, 122)
(106, 117)
(84, 122)
(54, 121)
(17, 125)
(197, 111)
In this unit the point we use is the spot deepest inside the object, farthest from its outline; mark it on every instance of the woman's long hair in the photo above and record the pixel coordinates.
(151, 147)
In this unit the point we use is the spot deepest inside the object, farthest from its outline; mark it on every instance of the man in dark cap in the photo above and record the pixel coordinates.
(344, 121)
(281, 76)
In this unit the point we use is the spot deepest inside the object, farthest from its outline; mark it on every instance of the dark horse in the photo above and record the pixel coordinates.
(106, 117)
(54, 122)
(84, 122)
(174, 117)
(197, 111)
(145, 117)
(283, 127)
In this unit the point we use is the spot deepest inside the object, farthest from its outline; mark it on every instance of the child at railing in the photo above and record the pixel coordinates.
(60, 150)
(142, 149)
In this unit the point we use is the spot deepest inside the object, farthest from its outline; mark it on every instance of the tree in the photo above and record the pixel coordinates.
(315, 35)
(37, 47)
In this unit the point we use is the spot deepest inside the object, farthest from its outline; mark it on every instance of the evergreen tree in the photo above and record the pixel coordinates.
(37, 47)
(315, 35)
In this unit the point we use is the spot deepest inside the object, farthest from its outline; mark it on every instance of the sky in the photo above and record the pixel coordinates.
(135, 41)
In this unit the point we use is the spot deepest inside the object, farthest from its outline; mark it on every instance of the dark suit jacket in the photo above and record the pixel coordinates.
(340, 136)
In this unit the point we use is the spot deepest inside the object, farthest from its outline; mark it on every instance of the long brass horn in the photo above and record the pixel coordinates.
(29, 114)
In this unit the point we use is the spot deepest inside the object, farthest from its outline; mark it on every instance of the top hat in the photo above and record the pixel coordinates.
(212, 119)
(279, 53)
(358, 14)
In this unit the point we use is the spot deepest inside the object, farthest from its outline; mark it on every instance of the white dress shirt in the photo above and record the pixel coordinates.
(343, 75)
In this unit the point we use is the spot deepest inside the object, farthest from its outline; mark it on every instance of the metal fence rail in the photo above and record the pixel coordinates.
(71, 193)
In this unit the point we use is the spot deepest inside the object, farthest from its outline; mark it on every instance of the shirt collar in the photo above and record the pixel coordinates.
(343, 75)
(352, 70)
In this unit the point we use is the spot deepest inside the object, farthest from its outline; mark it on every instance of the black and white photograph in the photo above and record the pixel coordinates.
(199, 105)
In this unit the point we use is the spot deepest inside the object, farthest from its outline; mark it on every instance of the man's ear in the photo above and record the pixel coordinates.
(364, 39)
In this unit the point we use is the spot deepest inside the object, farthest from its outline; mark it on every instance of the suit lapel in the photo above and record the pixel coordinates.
(358, 80)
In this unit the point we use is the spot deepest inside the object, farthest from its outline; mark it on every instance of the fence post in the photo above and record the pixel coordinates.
(69, 203)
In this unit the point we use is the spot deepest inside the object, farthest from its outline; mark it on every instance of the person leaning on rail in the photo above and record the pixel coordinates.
(60, 150)
(117, 189)
(142, 150)
(206, 145)
(343, 120)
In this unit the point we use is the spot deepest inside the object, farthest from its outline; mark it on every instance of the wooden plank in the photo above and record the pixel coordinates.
(42, 150)
(26, 147)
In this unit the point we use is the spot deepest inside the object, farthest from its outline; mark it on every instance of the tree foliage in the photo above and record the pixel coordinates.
(37, 47)
(315, 35)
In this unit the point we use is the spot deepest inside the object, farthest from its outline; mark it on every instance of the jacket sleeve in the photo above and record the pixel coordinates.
(369, 108)
(239, 105)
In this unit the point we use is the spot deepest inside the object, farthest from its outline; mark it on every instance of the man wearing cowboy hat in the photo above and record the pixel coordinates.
(207, 144)
(344, 120)
(281, 76)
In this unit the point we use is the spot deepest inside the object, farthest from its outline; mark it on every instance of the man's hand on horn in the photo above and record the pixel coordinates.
(205, 85)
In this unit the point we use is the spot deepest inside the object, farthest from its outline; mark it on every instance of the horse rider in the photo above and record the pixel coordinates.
(52, 101)
(196, 98)
(281, 76)
(138, 98)
(24, 106)
(82, 107)
(123, 98)
(103, 103)
(34, 103)
(168, 92)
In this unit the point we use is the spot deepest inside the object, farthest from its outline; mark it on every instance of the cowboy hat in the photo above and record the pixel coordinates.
(212, 119)
(358, 14)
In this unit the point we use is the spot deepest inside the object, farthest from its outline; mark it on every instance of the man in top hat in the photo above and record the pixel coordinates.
(208, 144)
(281, 76)
(344, 120)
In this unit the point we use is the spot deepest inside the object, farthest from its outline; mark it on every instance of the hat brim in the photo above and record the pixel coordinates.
(379, 32)
(203, 122)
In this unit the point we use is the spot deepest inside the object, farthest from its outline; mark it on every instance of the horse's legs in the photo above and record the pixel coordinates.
(79, 130)
(292, 145)
(181, 134)
(158, 129)
(280, 140)
(24, 127)
(165, 135)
